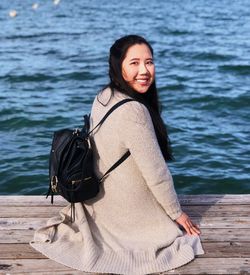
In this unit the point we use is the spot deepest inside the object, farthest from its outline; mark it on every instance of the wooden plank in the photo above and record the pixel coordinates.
(217, 210)
(211, 266)
(214, 266)
(192, 210)
(40, 266)
(207, 235)
(29, 212)
(226, 249)
(225, 235)
(21, 223)
(203, 222)
(19, 251)
(31, 201)
(212, 250)
(16, 236)
(223, 222)
(214, 199)
(184, 200)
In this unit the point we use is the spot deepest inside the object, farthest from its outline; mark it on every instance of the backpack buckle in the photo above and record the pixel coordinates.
(76, 131)
(53, 182)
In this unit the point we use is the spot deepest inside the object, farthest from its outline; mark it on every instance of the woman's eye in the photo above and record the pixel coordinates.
(150, 62)
(134, 63)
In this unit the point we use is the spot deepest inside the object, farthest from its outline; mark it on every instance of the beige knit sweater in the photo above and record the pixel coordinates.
(128, 228)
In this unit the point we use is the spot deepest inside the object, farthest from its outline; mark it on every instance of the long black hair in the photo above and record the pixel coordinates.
(117, 54)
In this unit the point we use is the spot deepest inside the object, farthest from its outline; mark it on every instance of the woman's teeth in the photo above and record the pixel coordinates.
(142, 80)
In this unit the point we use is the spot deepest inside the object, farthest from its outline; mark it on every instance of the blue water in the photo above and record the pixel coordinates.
(54, 60)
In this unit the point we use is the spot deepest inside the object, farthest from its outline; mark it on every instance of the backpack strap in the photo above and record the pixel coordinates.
(121, 160)
(110, 111)
(127, 154)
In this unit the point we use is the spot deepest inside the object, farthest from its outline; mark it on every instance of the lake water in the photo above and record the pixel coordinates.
(53, 61)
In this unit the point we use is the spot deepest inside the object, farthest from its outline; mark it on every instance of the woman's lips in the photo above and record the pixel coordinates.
(143, 81)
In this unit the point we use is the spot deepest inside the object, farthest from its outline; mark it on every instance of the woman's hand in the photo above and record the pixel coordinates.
(188, 225)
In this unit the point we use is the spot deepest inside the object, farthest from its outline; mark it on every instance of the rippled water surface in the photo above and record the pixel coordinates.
(54, 60)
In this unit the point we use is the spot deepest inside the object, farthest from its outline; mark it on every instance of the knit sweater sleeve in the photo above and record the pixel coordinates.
(136, 132)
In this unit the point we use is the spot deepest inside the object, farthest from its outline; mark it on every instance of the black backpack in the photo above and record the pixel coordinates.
(71, 168)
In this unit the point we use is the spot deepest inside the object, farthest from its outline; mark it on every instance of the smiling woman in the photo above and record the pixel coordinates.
(124, 72)
(132, 226)
(138, 68)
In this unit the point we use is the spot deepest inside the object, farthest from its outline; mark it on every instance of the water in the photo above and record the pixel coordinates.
(54, 60)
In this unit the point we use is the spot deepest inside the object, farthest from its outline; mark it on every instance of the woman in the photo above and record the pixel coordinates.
(132, 226)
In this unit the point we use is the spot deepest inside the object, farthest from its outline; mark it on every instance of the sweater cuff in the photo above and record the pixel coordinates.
(175, 215)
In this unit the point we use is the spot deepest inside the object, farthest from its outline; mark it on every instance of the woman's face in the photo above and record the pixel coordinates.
(138, 68)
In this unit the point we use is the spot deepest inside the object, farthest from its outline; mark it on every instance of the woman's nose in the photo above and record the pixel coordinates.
(142, 69)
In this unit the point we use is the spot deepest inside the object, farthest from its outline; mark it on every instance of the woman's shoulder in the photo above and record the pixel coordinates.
(104, 96)
(135, 111)
(131, 111)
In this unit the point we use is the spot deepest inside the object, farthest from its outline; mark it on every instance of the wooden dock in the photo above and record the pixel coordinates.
(224, 221)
